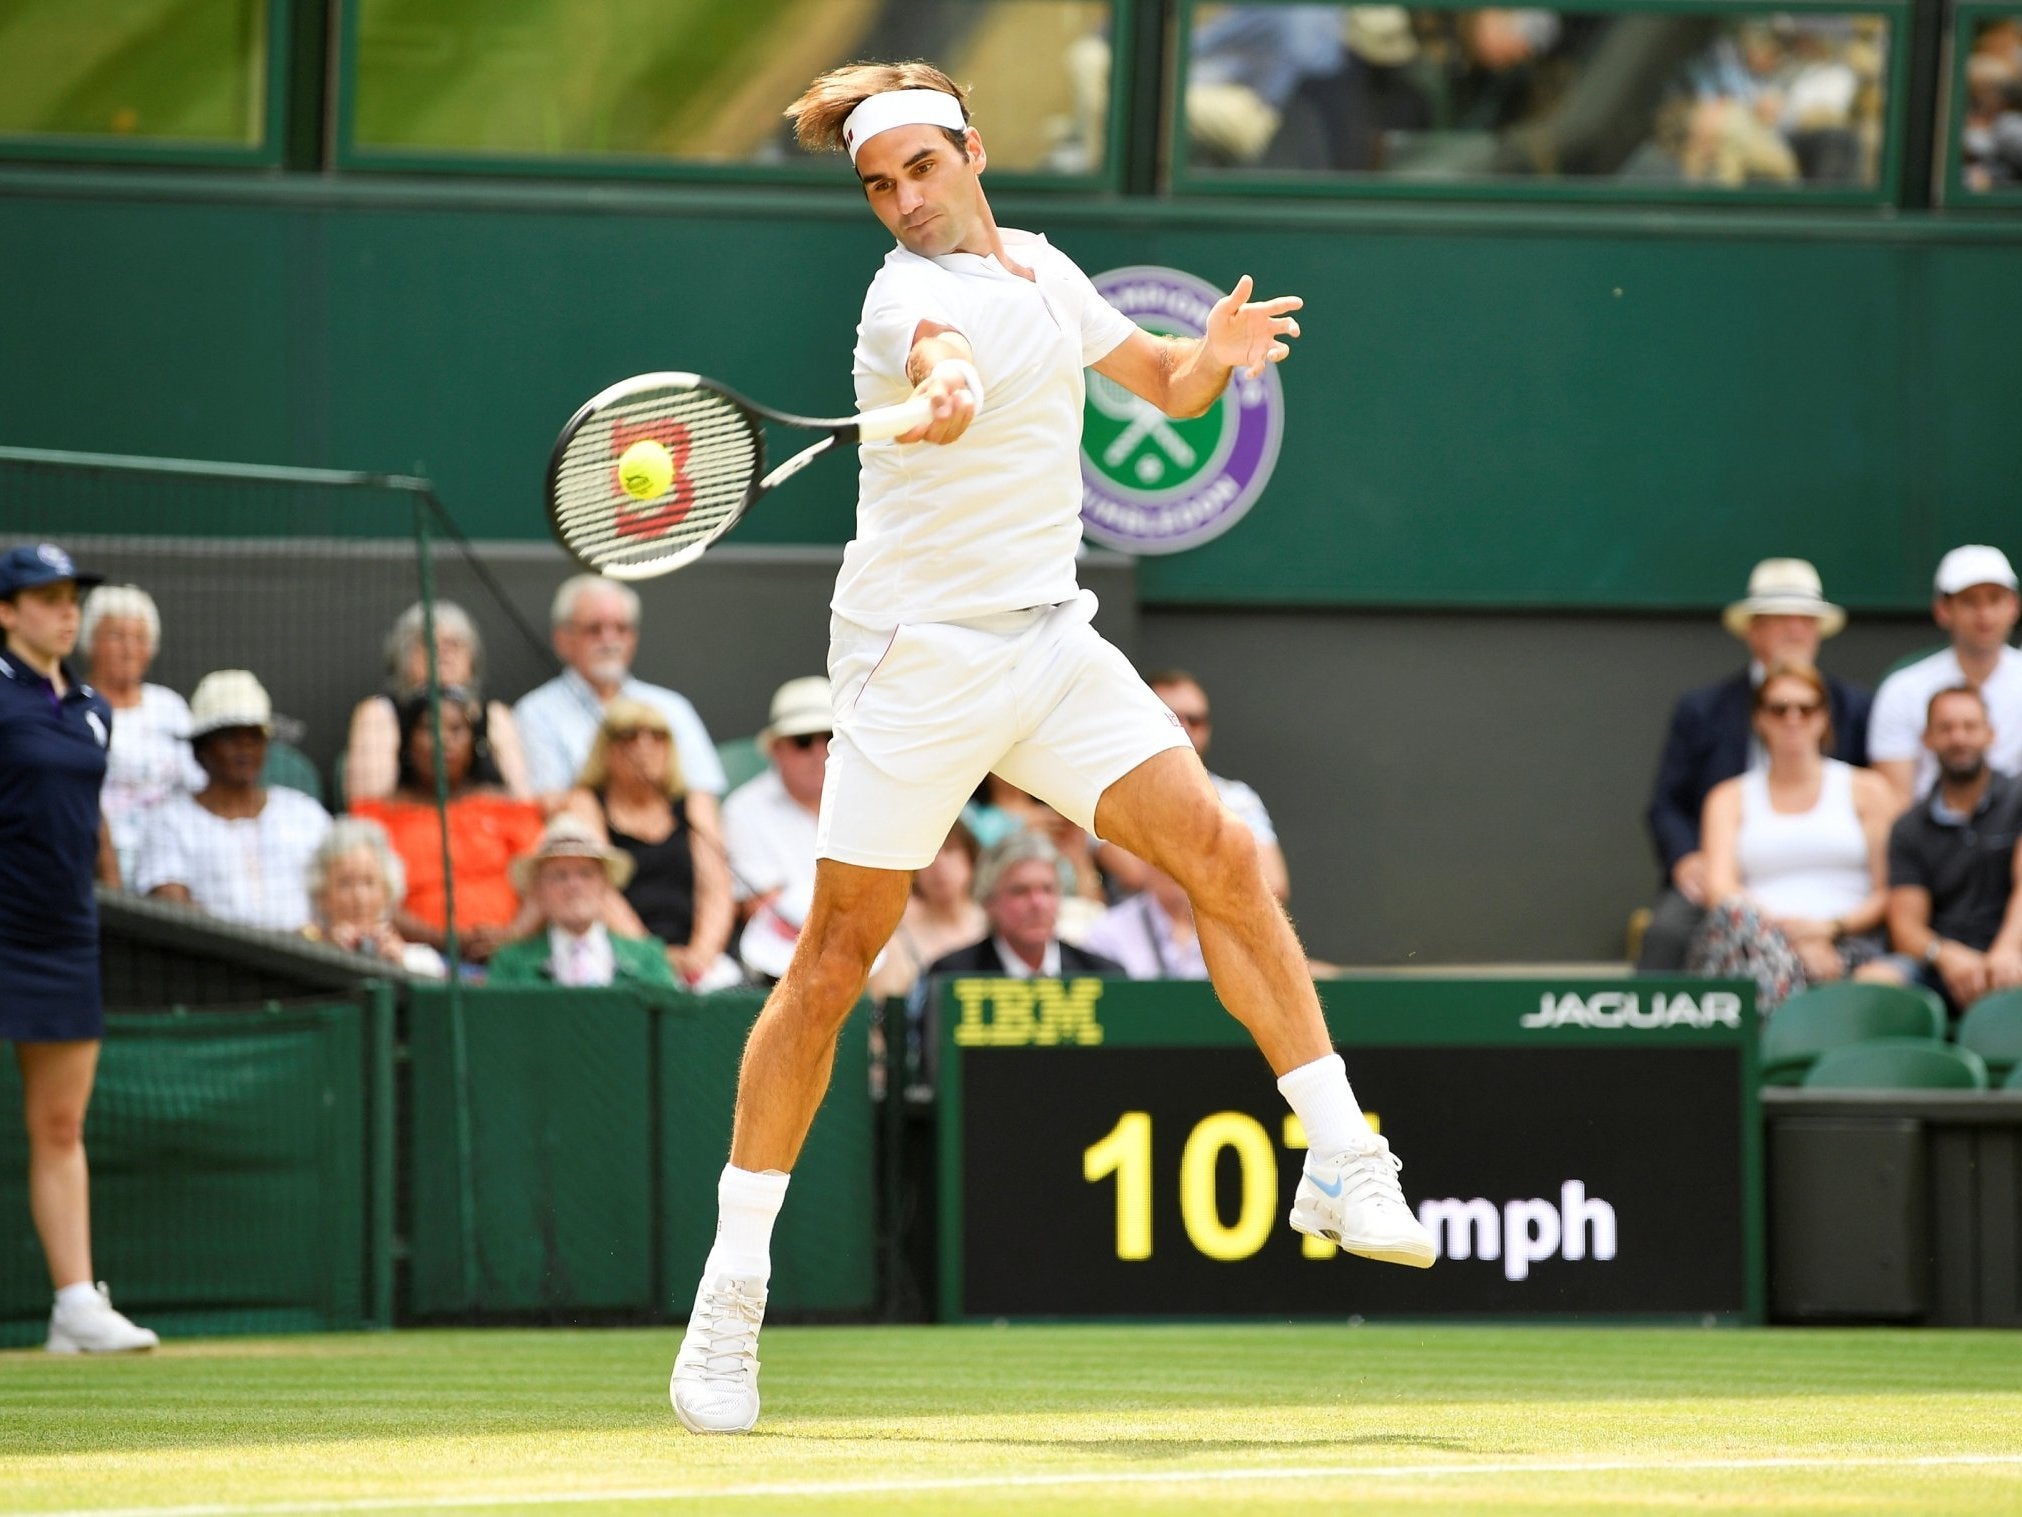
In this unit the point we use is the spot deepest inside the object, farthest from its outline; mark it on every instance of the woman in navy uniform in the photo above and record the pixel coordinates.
(53, 737)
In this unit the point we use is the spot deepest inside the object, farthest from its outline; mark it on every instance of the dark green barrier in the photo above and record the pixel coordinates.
(564, 1148)
(1577, 1147)
(237, 1181)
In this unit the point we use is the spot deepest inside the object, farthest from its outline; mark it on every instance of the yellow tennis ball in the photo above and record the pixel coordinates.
(646, 469)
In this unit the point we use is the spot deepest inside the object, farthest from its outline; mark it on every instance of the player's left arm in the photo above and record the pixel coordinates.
(1183, 376)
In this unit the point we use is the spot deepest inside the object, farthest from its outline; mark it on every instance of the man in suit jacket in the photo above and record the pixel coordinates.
(1018, 883)
(570, 876)
(1783, 619)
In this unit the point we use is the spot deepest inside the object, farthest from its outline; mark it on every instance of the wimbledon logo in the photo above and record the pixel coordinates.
(1152, 484)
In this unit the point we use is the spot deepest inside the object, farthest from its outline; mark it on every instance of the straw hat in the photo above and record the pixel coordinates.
(1784, 587)
(568, 837)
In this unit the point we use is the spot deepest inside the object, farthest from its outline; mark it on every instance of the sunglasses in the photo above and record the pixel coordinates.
(1787, 708)
(628, 734)
(806, 740)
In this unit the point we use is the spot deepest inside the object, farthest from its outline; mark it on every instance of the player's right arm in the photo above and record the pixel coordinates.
(942, 367)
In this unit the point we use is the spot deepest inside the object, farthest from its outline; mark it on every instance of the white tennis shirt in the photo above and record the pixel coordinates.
(990, 523)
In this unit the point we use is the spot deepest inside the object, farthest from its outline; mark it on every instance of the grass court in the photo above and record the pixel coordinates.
(1031, 1420)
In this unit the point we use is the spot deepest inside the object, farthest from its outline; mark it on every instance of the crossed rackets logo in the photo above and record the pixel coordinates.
(1155, 484)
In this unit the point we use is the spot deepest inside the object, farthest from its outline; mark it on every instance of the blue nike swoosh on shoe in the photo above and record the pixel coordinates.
(1332, 1190)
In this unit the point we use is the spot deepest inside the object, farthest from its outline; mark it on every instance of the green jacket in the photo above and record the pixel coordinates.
(635, 961)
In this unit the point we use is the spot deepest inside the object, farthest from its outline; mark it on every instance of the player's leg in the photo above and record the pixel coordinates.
(792, 1045)
(1166, 812)
(785, 1073)
(1109, 755)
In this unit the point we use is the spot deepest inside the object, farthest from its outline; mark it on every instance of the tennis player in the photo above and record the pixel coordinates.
(960, 644)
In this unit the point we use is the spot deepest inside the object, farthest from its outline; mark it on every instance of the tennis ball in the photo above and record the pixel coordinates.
(646, 469)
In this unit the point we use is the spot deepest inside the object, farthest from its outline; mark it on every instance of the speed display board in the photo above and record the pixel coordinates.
(1111, 1149)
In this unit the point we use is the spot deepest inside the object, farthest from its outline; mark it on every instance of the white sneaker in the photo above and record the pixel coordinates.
(714, 1387)
(93, 1327)
(1352, 1199)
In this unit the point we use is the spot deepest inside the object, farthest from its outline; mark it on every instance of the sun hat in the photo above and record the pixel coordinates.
(230, 698)
(799, 706)
(1784, 587)
(1974, 564)
(25, 567)
(569, 837)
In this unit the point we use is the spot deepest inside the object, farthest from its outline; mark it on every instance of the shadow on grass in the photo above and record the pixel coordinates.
(1148, 1448)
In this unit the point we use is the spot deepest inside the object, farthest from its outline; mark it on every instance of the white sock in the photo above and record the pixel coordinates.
(79, 1293)
(1326, 1107)
(747, 1203)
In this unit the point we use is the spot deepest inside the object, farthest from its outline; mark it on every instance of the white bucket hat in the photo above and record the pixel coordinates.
(230, 698)
(1784, 587)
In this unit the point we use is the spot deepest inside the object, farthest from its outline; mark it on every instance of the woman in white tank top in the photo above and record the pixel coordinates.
(1795, 852)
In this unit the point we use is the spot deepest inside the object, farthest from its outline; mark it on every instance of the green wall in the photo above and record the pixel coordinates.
(1492, 406)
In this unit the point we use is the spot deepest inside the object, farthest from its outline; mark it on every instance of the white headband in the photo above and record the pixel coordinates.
(880, 113)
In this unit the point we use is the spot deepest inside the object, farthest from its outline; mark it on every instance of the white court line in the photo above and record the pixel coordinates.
(1041, 1481)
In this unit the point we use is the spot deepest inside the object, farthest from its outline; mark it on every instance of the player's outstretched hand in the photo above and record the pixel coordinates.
(1247, 334)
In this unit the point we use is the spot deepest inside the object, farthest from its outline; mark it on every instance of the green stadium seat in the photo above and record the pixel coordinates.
(289, 767)
(742, 760)
(1815, 1021)
(1898, 1064)
(2014, 1080)
(1992, 1028)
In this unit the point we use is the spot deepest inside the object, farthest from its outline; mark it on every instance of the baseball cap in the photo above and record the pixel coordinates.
(25, 567)
(1974, 564)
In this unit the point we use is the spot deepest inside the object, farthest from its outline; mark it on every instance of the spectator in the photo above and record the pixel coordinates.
(596, 634)
(632, 792)
(1794, 852)
(1783, 619)
(372, 754)
(54, 733)
(356, 881)
(149, 759)
(237, 849)
(1151, 934)
(1974, 601)
(769, 824)
(488, 829)
(940, 915)
(1018, 882)
(570, 879)
(1953, 862)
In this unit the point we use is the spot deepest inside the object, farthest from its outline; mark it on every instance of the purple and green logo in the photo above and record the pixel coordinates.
(1151, 483)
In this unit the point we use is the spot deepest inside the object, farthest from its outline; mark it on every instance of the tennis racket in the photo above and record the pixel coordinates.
(716, 443)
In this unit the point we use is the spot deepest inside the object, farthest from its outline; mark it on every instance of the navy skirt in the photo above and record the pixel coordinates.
(50, 993)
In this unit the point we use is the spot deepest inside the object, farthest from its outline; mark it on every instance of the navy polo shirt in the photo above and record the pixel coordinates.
(1968, 866)
(52, 763)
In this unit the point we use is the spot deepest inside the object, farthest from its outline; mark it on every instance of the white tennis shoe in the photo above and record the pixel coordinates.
(1353, 1200)
(714, 1387)
(93, 1327)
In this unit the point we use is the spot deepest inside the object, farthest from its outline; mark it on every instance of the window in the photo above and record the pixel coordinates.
(648, 86)
(1988, 90)
(1621, 102)
(185, 80)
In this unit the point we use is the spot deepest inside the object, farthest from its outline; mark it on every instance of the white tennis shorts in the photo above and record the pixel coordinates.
(923, 712)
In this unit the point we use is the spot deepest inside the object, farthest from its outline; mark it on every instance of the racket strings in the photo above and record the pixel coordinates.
(715, 452)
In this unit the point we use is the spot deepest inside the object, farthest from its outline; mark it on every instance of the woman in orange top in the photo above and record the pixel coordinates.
(488, 829)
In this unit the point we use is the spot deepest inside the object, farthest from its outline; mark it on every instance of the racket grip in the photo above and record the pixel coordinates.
(889, 421)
